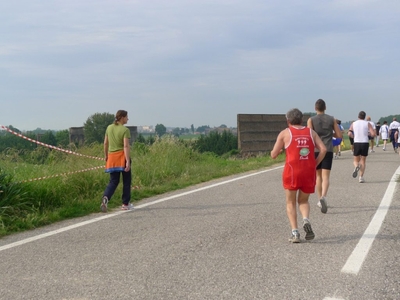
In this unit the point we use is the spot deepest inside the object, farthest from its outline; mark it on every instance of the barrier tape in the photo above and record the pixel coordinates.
(135, 187)
(62, 174)
(49, 146)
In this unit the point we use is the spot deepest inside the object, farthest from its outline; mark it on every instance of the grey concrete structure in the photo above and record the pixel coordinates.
(257, 132)
(77, 135)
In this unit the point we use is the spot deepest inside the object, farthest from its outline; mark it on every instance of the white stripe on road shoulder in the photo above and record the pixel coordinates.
(360, 252)
(54, 232)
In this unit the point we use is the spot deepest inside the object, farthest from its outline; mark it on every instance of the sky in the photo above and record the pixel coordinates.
(200, 62)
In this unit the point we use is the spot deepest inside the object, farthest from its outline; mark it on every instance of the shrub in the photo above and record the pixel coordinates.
(14, 201)
(218, 143)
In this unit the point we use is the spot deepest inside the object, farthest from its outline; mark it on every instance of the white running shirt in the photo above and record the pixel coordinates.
(360, 129)
(384, 132)
(394, 125)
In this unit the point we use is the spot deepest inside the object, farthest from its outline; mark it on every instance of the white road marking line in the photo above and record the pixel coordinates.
(360, 252)
(54, 232)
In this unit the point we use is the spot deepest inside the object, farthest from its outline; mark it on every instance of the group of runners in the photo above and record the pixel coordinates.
(309, 155)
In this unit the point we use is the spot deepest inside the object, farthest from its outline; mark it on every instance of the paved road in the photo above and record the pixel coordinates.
(225, 239)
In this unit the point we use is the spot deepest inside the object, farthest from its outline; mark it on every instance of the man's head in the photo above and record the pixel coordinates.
(294, 117)
(361, 115)
(320, 105)
(368, 118)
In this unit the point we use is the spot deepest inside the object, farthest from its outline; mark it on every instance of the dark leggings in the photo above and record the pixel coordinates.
(393, 140)
(113, 184)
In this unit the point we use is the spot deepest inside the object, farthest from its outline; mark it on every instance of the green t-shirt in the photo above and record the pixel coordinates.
(116, 135)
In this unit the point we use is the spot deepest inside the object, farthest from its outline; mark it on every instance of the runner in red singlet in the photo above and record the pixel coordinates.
(300, 169)
(298, 173)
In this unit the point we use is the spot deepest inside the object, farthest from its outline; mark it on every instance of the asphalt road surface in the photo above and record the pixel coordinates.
(225, 239)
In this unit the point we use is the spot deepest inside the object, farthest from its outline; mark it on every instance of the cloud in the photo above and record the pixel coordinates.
(161, 58)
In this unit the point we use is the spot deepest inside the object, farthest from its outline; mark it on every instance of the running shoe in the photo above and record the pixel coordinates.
(295, 238)
(324, 205)
(361, 179)
(104, 202)
(127, 207)
(356, 169)
(307, 228)
(339, 153)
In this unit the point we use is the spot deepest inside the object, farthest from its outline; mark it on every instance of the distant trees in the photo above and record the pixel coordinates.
(11, 141)
(49, 137)
(141, 139)
(62, 138)
(95, 127)
(202, 129)
(160, 130)
(389, 119)
(176, 131)
(180, 130)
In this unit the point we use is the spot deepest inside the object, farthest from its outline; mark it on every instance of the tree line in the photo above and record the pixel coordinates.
(95, 127)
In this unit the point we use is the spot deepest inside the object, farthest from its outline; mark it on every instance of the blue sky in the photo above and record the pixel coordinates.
(201, 62)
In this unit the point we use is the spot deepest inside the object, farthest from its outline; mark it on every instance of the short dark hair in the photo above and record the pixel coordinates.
(294, 116)
(361, 115)
(320, 105)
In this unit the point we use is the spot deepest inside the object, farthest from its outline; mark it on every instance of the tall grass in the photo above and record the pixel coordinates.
(168, 164)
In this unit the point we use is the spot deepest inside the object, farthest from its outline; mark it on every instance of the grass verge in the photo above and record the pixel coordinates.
(169, 164)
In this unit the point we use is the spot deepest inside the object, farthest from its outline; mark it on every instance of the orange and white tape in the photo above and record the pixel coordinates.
(48, 146)
(59, 149)
(63, 174)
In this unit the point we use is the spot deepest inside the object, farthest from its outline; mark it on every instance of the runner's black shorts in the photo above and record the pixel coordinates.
(361, 149)
(326, 163)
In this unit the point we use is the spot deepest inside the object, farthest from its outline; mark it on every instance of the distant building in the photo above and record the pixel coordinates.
(146, 129)
(221, 130)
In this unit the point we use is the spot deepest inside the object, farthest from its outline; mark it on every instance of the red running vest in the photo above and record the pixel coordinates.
(300, 167)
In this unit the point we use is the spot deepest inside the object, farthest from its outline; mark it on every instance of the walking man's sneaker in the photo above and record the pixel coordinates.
(127, 207)
(307, 228)
(361, 179)
(356, 169)
(324, 205)
(295, 238)
(104, 202)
